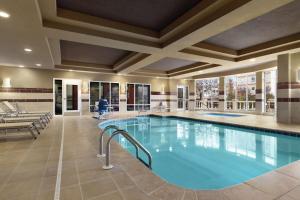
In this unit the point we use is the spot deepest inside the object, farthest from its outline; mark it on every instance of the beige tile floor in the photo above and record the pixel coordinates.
(28, 168)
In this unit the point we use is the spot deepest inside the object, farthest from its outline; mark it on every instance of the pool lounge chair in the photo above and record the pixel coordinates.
(17, 110)
(35, 120)
(161, 107)
(19, 126)
(11, 111)
(44, 117)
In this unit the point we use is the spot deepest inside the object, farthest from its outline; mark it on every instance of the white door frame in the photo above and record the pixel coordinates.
(183, 87)
(64, 104)
(186, 97)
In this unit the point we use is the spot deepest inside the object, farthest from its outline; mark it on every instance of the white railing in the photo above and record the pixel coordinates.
(251, 105)
(206, 105)
(270, 105)
(240, 105)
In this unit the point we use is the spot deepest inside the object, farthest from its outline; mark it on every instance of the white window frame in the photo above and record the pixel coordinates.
(110, 82)
(236, 90)
(134, 105)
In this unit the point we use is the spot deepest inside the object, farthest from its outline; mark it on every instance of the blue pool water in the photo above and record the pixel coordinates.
(200, 155)
(223, 114)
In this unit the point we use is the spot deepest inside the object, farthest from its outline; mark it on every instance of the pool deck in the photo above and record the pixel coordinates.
(30, 169)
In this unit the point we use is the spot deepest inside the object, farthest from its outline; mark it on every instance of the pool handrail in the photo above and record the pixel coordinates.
(134, 142)
(101, 154)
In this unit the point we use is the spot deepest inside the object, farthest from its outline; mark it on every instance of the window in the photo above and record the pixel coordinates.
(240, 92)
(138, 96)
(230, 91)
(270, 90)
(207, 93)
(104, 90)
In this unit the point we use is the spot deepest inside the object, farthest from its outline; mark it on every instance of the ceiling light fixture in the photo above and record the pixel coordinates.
(70, 70)
(252, 60)
(38, 65)
(21, 66)
(4, 14)
(28, 50)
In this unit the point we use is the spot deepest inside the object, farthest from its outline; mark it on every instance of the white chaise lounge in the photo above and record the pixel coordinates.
(21, 125)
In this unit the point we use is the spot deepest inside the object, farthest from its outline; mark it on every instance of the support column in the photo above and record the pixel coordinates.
(259, 102)
(288, 89)
(221, 93)
(191, 84)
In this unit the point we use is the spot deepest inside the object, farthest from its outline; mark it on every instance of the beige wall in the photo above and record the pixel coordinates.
(38, 78)
(43, 78)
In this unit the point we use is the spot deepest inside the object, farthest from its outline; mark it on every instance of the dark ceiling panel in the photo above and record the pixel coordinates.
(278, 23)
(79, 52)
(167, 64)
(151, 14)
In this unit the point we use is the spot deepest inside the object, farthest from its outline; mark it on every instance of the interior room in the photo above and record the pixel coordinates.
(140, 100)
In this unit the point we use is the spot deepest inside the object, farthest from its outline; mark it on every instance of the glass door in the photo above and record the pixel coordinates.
(186, 94)
(138, 97)
(57, 97)
(270, 82)
(67, 96)
(180, 97)
(71, 92)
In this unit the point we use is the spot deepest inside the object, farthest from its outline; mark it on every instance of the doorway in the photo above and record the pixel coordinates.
(67, 96)
(182, 98)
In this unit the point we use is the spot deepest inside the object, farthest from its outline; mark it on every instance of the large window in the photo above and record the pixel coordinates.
(240, 92)
(270, 90)
(138, 97)
(104, 90)
(207, 93)
(230, 91)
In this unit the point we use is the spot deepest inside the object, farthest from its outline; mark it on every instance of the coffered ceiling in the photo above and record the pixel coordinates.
(170, 38)
(154, 14)
(279, 23)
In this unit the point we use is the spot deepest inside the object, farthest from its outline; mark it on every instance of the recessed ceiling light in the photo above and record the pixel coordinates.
(21, 66)
(252, 60)
(38, 65)
(4, 14)
(28, 50)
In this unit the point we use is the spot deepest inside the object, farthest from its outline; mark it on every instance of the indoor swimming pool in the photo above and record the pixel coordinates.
(199, 155)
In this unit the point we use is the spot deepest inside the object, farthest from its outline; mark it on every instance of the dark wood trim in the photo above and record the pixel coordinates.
(216, 48)
(27, 100)
(167, 100)
(258, 91)
(288, 85)
(288, 99)
(26, 90)
(187, 67)
(160, 93)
